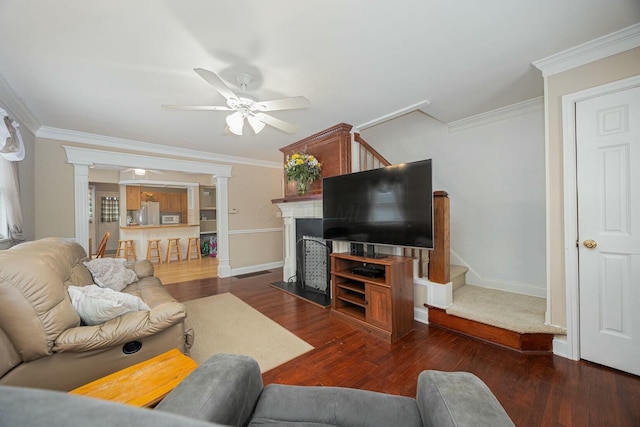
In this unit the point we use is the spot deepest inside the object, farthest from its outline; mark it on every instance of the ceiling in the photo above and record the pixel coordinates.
(105, 68)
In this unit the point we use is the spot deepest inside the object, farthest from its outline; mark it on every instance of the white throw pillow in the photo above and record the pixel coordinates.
(96, 305)
(111, 273)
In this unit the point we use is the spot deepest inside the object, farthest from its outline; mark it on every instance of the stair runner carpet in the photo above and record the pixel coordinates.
(507, 310)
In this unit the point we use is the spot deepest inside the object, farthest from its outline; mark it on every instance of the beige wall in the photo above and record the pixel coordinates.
(613, 68)
(54, 191)
(251, 189)
(252, 239)
(104, 176)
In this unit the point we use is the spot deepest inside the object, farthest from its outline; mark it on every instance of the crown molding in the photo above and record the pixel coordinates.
(517, 109)
(602, 47)
(16, 108)
(401, 112)
(146, 147)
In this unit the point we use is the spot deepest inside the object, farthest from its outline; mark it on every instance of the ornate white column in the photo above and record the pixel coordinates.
(222, 224)
(81, 188)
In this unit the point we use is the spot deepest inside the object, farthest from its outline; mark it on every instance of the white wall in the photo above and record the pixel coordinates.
(495, 177)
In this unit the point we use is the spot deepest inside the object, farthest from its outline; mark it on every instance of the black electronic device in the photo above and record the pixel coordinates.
(367, 271)
(391, 205)
(357, 249)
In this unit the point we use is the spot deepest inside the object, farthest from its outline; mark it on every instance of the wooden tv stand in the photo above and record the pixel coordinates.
(380, 304)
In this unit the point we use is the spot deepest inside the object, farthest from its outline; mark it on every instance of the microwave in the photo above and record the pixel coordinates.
(170, 219)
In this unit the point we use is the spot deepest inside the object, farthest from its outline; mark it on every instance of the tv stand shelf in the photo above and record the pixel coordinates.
(381, 306)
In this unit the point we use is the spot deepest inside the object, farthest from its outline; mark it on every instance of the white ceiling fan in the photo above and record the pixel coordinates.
(246, 106)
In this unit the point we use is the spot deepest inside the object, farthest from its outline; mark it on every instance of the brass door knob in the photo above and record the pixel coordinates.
(590, 243)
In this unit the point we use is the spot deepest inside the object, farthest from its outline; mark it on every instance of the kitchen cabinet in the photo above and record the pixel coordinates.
(133, 197)
(172, 202)
(164, 202)
(184, 207)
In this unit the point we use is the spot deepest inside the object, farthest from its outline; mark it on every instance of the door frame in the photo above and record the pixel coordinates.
(82, 158)
(569, 158)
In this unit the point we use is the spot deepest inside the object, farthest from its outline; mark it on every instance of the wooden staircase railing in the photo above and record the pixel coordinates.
(440, 256)
(366, 156)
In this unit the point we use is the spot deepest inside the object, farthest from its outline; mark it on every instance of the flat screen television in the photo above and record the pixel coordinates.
(391, 206)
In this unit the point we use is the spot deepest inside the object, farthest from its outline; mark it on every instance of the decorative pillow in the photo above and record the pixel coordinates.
(96, 305)
(111, 273)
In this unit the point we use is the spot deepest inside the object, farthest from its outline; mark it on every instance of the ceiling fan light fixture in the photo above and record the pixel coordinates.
(255, 124)
(235, 122)
(246, 106)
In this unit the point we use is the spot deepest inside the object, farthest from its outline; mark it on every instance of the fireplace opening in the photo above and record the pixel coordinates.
(312, 277)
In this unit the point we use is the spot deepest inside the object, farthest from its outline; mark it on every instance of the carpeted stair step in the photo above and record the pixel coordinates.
(458, 276)
(504, 318)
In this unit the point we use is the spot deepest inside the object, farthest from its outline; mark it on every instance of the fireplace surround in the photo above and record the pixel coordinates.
(303, 232)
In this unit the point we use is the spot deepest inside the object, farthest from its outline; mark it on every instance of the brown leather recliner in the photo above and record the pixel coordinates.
(42, 341)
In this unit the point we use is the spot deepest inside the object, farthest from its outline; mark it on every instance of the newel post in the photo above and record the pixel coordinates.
(440, 256)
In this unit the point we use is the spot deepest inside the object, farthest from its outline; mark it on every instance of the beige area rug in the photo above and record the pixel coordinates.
(515, 312)
(225, 324)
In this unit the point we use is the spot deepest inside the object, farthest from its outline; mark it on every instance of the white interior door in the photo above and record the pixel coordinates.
(608, 175)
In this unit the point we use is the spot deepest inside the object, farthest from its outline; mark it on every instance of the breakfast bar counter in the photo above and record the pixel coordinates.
(134, 227)
(141, 234)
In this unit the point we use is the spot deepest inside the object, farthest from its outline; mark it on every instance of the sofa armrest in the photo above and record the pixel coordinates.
(143, 268)
(128, 327)
(458, 399)
(224, 389)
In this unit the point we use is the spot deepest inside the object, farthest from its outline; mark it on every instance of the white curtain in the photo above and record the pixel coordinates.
(11, 151)
(11, 194)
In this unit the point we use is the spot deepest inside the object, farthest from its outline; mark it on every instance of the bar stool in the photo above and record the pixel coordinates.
(126, 249)
(194, 244)
(153, 250)
(174, 244)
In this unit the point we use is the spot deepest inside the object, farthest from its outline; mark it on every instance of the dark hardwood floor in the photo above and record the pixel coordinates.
(535, 390)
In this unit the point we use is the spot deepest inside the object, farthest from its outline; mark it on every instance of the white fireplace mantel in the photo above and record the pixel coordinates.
(290, 212)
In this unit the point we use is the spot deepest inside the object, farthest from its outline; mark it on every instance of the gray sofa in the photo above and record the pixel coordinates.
(228, 390)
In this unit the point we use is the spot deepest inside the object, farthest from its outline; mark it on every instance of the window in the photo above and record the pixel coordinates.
(109, 209)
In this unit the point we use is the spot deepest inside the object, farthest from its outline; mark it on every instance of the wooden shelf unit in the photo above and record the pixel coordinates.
(208, 212)
(381, 306)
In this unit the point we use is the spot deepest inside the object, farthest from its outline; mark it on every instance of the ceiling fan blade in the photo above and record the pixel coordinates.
(284, 104)
(277, 123)
(198, 107)
(217, 83)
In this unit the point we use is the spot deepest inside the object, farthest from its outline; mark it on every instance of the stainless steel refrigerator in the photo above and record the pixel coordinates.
(149, 213)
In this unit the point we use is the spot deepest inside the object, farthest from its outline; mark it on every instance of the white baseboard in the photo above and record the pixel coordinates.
(255, 268)
(516, 287)
(560, 346)
(421, 315)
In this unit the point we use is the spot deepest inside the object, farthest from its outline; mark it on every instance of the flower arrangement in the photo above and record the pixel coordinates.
(302, 168)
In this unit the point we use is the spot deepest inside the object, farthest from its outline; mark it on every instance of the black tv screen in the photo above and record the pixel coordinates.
(391, 205)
